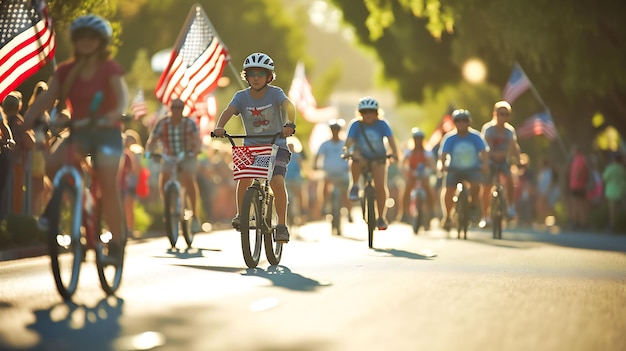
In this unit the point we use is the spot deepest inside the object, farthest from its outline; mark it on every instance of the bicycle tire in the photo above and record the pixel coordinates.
(463, 214)
(418, 217)
(185, 221)
(273, 249)
(64, 239)
(370, 198)
(171, 215)
(110, 275)
(251, 236)
(497, 207)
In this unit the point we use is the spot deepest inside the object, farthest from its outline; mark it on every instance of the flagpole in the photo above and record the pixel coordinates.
(538, 97)
(230, 63)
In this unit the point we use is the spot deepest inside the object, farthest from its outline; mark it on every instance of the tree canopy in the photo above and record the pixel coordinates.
(572, 51)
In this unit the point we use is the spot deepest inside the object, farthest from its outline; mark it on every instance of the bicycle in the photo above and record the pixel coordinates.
(418, 199)
(498, 206)
(178, 211)
(462, 209)
(75, 223)
(335, 211)
(258, 216)
(368, 200)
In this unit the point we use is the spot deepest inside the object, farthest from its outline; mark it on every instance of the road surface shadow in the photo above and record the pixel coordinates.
(186, 253)
(283, 277)
(71, 326)
(407, 254)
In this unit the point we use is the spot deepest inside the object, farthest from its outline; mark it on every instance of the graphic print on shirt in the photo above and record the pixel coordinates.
(259, 118)
(464, 155)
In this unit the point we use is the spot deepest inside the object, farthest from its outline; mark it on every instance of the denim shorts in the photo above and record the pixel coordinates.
(283, 156)
(454, 176)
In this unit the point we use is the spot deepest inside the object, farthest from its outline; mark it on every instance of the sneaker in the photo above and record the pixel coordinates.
(195, 226)
(112, 254)
(235, 222)
(354, 193)
(381, 223)
(511, 212)
(282, 234)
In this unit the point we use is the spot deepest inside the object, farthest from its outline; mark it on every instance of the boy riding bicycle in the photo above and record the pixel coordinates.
(264, 109)
(463, 154)
(367, 134)
(418, 164)
(501, 139)
(179, 134)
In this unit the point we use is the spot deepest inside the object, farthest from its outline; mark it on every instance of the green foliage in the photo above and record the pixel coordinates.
(571, 51)
(143, 220)
(19, 230)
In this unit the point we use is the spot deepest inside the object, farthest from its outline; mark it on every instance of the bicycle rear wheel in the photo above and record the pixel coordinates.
(110, 275)
(251, 218)
(497, 207)
(462, 209)
(64, 238)
(273, 249)
(185, 221)
(370, 198)
(171, 214)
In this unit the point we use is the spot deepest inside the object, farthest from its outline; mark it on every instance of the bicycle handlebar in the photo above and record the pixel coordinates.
(247, 136)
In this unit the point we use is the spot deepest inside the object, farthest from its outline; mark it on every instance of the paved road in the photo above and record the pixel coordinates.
(526, 292)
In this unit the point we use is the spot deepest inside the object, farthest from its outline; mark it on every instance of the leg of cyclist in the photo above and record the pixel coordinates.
(242, 185)
(510, 192)
(379, 173)
(450, 180)
(280, 194)
(355, 172)
(487, 185)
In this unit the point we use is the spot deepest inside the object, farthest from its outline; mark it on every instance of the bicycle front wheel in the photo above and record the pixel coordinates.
(64, 239)
(273, 249)
(370, 199)
(171, 215)
(462, 209)
(251, 218)
(185, 221)
(110, 275)
(336, 213)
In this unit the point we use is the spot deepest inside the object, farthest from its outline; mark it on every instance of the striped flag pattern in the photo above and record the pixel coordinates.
(538, 124)
(255, 161)
(196, 63)
(301, 94)
(27, 41)
(518, 83)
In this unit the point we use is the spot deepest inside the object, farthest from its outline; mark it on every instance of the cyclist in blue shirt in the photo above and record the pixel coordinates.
(368, 134)
(463, 155)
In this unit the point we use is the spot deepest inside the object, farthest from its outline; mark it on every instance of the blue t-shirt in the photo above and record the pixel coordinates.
(376, 134)
(332, 162)
(464, 150)
(261, 116)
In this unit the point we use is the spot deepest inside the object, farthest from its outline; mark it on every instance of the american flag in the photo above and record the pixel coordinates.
(138, 106)
(538, 124)
(196, 63)
(301, 94)
(518, 83)
(26, 41)
(255, 161)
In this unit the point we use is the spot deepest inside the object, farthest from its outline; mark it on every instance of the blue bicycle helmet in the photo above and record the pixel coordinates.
(368, 103)
(417, 133)
(461, 114)
(95, 23)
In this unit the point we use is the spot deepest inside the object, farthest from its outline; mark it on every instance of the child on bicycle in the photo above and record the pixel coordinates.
(418, 164)
(367, 134)
(501, 138)
(79, 80)
(336, 169)
(264, 109)
(179, 134)
(463, 154)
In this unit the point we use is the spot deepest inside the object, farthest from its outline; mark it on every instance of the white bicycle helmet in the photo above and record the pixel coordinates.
(95, 23)
(417, 133)
(259, 60)
(368, 103)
